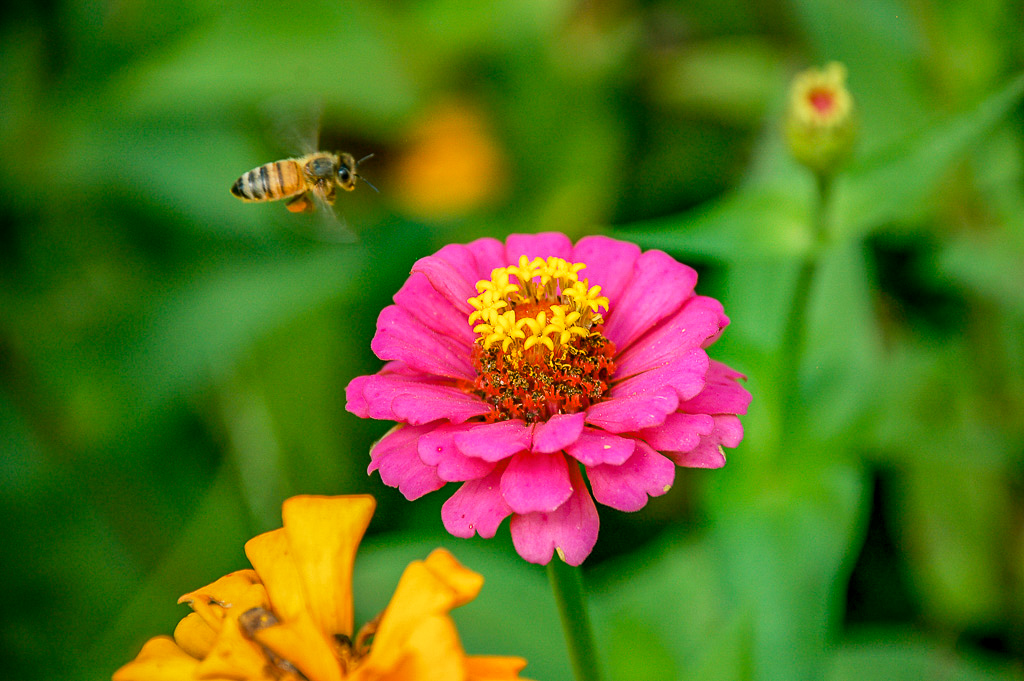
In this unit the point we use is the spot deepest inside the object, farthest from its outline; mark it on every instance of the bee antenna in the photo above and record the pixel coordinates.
(370, 184)
(355, 172)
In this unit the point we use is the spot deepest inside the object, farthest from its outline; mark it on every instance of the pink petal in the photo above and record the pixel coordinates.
(595, 447)
(489, 253)
(558, 432)
(727, 432)
(396, 457)
(494, 441)
(685, 374)
(722, 395)
(680, 432)
(456, 282)
(626, 487)
(544, 245)
(395, 368)
(438, 449)
(432, 310)
(463, 259)
(356, 402)
(699, 320)
(400, 336)
(476, 507)
(572, 529)
(659, 286)
(633, 412)
(416, 401)
(536, 482)
(704, 456)
(725, 373)
(723, 322)
(609, 264)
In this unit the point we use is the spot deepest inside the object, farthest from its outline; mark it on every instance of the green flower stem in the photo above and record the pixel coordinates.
(795, 338)
(567, 584)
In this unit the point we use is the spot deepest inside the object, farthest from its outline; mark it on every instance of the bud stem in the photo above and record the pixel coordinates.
(794, 340)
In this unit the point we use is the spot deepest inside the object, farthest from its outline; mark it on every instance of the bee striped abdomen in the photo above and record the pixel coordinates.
(271, 182)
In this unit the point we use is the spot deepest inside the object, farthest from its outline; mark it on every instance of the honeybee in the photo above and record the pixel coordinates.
(302, 180)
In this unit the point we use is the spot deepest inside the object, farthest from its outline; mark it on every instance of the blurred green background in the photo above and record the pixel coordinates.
(173, 361)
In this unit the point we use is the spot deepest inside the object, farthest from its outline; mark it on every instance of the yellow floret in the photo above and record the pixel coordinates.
(570, 307)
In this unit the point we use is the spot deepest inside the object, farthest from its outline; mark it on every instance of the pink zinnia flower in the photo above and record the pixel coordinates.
(511, 365)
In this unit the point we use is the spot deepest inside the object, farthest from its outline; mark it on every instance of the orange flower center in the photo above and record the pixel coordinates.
(540, 350)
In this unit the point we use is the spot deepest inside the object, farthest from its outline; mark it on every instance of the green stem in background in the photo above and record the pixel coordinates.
(567, 584)
(795, 337)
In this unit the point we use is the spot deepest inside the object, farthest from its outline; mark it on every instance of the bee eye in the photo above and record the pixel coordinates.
(343, 174)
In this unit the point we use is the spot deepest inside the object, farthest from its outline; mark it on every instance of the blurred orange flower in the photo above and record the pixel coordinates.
(291, 616)
(453, 165)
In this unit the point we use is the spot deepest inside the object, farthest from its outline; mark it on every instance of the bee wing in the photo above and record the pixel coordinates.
(294, 129)
(318, 218)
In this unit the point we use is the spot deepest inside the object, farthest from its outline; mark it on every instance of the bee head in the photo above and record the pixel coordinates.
(348, 172)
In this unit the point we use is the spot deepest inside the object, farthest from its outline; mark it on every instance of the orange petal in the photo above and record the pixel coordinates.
(301, 643)
(431, 652)
(159, 660)
(462, 580)
(270, 554)
(324, 534)
(421, 593)
(194, 635)
(493, 668)
(212, 602)
(234, 656)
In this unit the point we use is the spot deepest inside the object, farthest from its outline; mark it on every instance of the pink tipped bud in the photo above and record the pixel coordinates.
(820, 123)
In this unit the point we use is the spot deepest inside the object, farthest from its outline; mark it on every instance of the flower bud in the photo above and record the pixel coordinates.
(820, 122)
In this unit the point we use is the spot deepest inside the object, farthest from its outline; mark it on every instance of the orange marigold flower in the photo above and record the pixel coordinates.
(290, 618)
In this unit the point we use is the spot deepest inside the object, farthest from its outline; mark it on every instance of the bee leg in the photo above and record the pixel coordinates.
(329, 195)
(300, 204)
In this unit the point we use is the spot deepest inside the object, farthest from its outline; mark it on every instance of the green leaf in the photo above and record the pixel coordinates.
(843, 350)
(896, 184)
(754, 222)
(166, 168)
(200, 329)
(905, 656)
(339, 57)
(730, 654)
(489, 26)
(631, 636)
(766, 218)
(784, 539)
(731, 79)
(22, 71)
(209, 545)
(931, 412)
(281, 412)
(956, 551)
(672, 595)
(989, 264)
